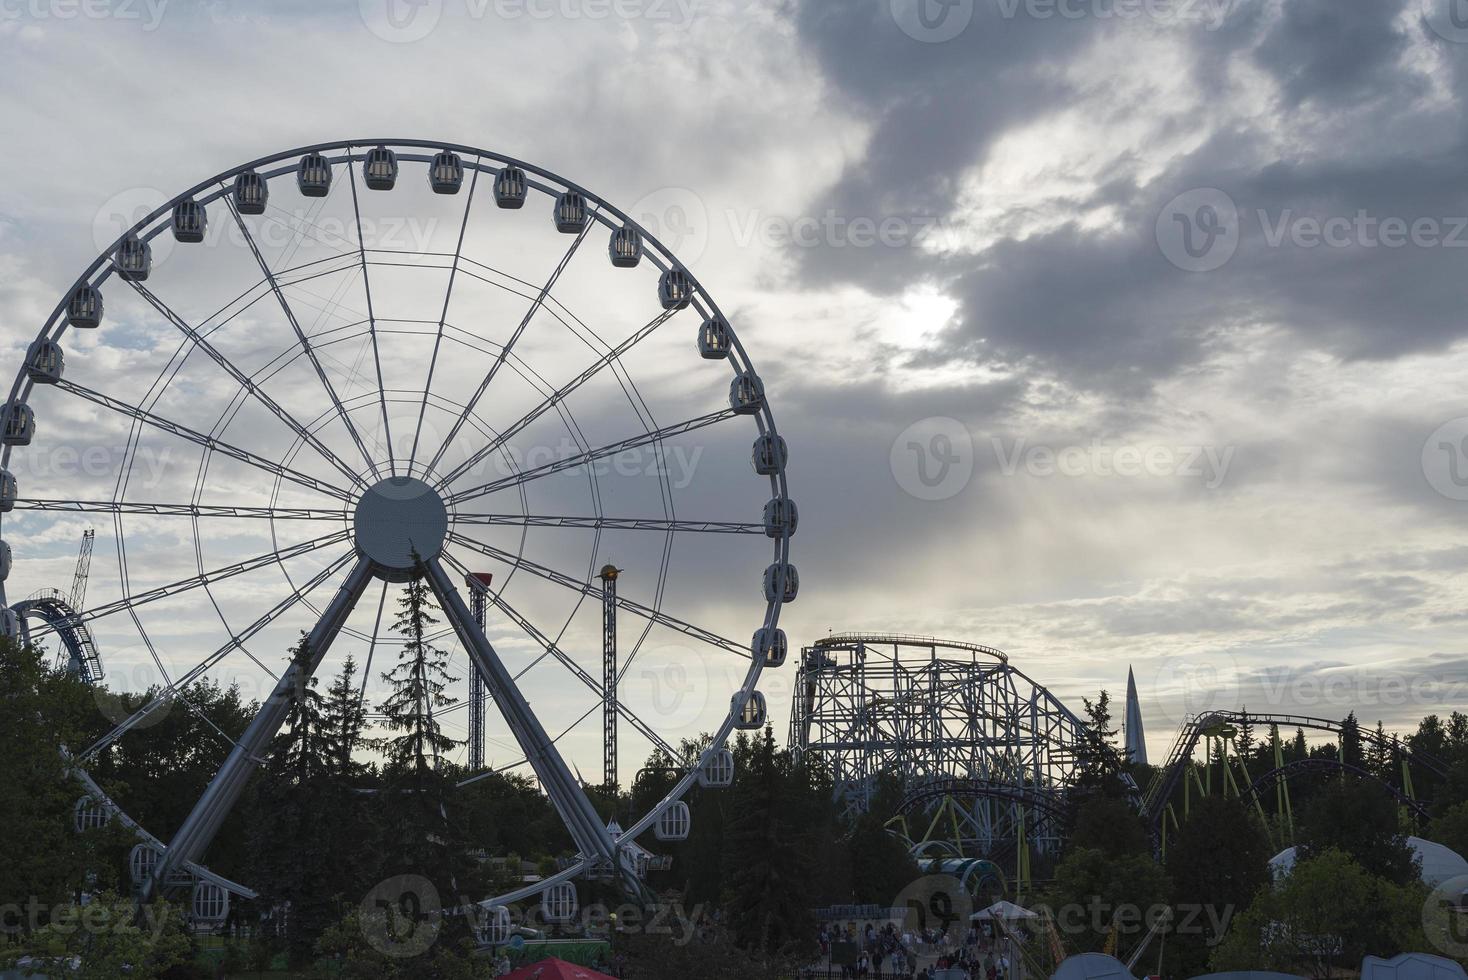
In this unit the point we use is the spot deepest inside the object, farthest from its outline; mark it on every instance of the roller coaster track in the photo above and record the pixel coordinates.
(53, 607)
(1165, 783)
(1048, 802)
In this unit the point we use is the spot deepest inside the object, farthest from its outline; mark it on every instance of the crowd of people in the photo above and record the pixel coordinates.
(883, 952)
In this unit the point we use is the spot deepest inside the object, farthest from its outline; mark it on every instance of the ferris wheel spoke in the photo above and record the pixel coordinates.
(592, 684)
(245, 382)
(203, 822)
(236, 642)
(535, 306)
(610, 523)
(585, 588)
(371, 319)
(372, 648)
(302, 339)
(575, 810)
(443, 318)
(132, 602)
(208, 442)
(141, 508)
(592, 455)
(555, 398)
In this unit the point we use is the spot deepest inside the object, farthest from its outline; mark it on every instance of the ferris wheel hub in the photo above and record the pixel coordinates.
(399, 522)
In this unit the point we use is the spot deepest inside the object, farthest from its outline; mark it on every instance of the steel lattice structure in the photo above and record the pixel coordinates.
(335, 397)
(953, 721)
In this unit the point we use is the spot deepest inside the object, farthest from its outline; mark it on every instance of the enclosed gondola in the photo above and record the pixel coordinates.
(674, 823)
(9, 491)
(17, 424)
(313, 175)
(750, 712)
(713, 339)
(773, 577)
(771, 646)
(251, 193)
(380, 169)
(781, 517)
(570, 213)
(625, 247)
(769, 454)
(89, 814)
(717, 771)
(675, 289)
(133, 259)
(210, 905)
(509, 188)
(746, 394)
(558, 903)
(446, 173)
(84, 309)
(189, 221)
(44, 362)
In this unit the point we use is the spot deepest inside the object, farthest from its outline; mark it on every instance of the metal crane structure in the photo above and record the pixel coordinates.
(608, 576)
(974, 743)
(360, 413)
(57, 612)
(478, 583)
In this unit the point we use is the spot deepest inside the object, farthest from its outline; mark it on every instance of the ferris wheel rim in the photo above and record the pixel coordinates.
(548, 182)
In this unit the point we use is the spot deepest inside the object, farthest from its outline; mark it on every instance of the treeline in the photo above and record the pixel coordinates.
(340, 806)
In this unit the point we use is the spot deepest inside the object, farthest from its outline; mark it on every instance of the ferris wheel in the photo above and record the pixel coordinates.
(337, 368)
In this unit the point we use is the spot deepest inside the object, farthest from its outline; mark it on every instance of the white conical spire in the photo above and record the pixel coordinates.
(1136, 739)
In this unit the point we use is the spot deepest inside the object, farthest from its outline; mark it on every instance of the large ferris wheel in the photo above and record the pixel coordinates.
(308, 391)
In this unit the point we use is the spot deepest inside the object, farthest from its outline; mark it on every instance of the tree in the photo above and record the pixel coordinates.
(1245, 740)
(1355, 816)
(1218, 862)
(1095, 895)
(1325, 915)
(1350, 739)
(112, 937)
(416, 796)
(1097, 755)
(290, 854)
(1111, 826)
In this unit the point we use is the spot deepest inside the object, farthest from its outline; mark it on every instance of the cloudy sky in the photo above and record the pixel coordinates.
(1108, 333)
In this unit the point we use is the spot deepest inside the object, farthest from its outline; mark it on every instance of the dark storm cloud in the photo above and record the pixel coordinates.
(1101, 307)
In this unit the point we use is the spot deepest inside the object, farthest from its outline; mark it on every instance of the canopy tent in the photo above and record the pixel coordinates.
(554, 969)
(1007, 911)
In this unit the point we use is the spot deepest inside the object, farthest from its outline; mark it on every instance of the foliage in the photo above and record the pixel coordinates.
(110, 938)
(1355, 816)
(1325, 915)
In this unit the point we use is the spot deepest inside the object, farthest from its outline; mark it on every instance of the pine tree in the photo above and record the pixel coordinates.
(1245, 740)
(290, 862)
(1351, 741)
(346, 720)
(417, 792)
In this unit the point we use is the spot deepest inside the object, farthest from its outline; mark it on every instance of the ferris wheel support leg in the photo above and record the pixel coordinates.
(576, 811)
(224, 790)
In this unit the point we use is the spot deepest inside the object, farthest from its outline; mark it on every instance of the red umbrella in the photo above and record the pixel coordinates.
(554, 969)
